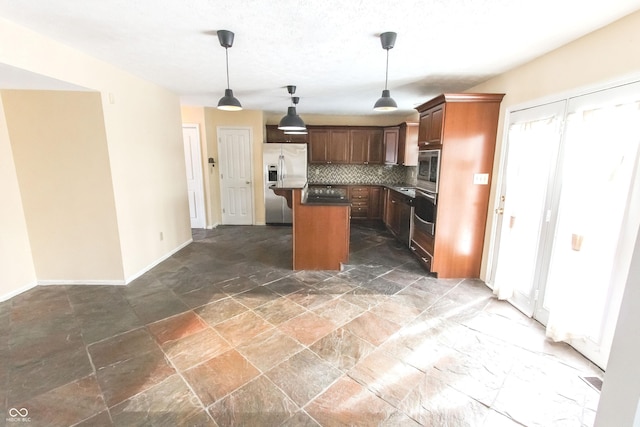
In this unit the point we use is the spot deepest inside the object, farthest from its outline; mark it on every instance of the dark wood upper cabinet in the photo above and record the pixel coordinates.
(319, 145)
(276, 135)
(367, 146)
(328, 145)
(430, 131)
(391, 136)
(339, 146)
(401, 144)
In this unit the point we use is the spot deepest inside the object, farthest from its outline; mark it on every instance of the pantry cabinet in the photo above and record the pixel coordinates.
(464, 127)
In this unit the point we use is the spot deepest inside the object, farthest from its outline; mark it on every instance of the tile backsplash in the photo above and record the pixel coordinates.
(361, 174)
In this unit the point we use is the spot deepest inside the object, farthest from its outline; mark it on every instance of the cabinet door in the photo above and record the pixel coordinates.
(375, 154)
(395, 213)
(424, 127)
(408, 144)
(435, 130)
(338, 146)
(375, 202)
(367, 146)
(430, 130)
(391, 145)
(276, 135)
(384, 200)
(318, 145)
(359, 146)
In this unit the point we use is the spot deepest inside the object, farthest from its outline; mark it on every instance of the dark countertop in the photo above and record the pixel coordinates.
(326, 201)
(406, 189)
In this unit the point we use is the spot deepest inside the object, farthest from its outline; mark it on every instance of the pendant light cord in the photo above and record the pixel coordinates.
(226, 52)
(386, 74)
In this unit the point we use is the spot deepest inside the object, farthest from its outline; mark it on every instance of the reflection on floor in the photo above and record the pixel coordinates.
(224, 333)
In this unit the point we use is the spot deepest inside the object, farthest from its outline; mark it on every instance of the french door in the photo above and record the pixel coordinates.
(533, 142)
(571, 196)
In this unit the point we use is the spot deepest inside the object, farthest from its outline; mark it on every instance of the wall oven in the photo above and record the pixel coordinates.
(428, 170)
(424, 214)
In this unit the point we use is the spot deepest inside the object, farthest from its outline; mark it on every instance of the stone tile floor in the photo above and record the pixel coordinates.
(224, 333)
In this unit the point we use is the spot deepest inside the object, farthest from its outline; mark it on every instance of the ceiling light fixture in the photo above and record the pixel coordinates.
(386, 103)
(292, 121)
(228, 102)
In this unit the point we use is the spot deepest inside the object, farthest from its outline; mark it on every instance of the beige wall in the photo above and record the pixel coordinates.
(594, 61)
(60, 154)
(16, 265)
(144, 141)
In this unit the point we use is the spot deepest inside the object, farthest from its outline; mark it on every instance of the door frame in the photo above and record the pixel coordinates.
(251, 171)
(200, 179)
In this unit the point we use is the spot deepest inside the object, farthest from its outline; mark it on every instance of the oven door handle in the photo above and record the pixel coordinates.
(430, 226)
(427, 195)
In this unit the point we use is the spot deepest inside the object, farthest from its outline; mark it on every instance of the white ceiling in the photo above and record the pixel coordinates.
(330, 49)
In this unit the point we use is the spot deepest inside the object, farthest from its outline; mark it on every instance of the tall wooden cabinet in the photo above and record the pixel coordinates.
(464, 127)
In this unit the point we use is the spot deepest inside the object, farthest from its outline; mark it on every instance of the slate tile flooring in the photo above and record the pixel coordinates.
(224, 333)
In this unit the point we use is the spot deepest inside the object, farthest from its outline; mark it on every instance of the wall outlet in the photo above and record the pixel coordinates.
(480, 178)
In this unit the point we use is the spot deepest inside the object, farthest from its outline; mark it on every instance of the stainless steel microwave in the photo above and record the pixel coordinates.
(428, 170)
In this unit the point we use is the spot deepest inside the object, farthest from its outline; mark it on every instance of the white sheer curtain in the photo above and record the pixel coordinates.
(600, 157)
(530, 148)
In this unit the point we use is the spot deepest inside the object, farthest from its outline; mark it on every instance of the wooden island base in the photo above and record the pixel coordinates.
(320, 234)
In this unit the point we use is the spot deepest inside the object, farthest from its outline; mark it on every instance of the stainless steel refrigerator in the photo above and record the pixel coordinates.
(280, 163)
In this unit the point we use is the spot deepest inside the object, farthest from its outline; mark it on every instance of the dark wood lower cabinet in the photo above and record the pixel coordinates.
(366, 202)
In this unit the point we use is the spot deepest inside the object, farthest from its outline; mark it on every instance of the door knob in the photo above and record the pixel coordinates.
(248, 182)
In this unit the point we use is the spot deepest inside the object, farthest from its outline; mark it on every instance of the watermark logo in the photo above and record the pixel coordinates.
(20, 415)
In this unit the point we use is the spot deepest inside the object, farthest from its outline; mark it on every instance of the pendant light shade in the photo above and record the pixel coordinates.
(385, 102)
(292, 121)
(228, 102)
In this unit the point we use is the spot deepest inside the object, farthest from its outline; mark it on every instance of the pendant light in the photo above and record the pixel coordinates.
(228, 102)
(386, 103)
(292, 121)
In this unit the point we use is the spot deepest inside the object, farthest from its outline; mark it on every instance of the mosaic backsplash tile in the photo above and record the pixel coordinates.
(361, 174)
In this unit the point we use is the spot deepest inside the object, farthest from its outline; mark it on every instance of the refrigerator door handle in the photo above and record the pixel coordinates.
(283, 168)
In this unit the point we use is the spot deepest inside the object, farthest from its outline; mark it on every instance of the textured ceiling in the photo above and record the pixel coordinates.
(330, 49)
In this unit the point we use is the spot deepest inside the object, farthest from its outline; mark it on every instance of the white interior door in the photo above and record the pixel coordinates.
(533, 141)
(236, 188)
(193, 162)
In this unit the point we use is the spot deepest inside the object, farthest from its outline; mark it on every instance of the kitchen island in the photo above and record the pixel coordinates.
(321, 227)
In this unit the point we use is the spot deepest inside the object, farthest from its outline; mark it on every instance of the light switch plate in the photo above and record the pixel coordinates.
(480, 178)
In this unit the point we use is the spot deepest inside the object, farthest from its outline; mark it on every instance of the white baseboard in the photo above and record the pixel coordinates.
(18, 291)
(156, 262)
(118, 282)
